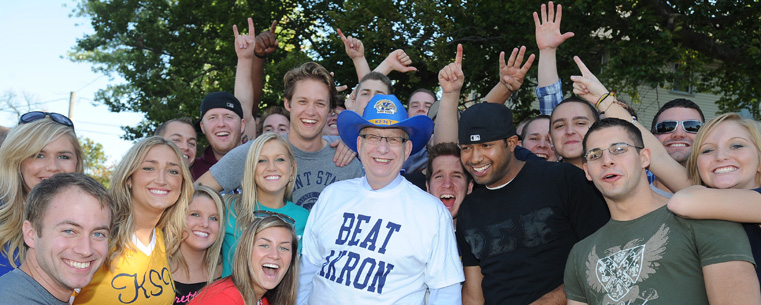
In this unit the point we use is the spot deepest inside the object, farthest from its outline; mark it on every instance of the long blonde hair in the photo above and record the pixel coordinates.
(23, 142)
(172, 220)
(246, 202)
(754, 130)
(212, 257)
(244, 276)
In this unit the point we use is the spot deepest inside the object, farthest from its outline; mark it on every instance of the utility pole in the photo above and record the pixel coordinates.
(72, 99)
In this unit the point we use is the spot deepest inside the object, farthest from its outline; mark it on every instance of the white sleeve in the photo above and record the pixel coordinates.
(444, 267)
(307, 272)
(450, 295)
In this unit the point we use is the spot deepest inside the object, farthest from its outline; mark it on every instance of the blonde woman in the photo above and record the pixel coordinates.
(264, 268)
(151, 188)
(725, 166)
(198, 261)
(41, 145)
(267, 186)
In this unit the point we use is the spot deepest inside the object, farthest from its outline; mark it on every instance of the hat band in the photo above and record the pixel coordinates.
(383, 121)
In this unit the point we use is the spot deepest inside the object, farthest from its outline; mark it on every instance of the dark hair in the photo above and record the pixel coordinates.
(677, 103)
(270, 111)
(309, 70)
(426, 91)
(595, 114)
(41, 195)
(531, 120)
(162, 128)
(377, 76)
(443, 149)
(632, 131)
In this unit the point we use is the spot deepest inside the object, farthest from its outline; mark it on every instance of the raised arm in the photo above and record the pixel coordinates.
(700, 202)
(548, 39)
(397, 60)
(588, 87)
(451, 80)
(356, 51)
(266, 44)
(511, 75)
(244, 48)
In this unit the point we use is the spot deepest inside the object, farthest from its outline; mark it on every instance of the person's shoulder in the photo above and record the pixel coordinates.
(296, 209)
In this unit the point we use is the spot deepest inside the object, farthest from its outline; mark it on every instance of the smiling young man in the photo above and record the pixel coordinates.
(67, 226)
(223, 124)
(569, 122)
(646, 253)
(379, 239)
(676, 125)
(309, 96)
(447, 179)
(515, 233)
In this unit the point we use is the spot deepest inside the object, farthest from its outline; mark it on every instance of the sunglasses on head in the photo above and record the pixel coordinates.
(38, 115)
(283, 217)
(691, 126)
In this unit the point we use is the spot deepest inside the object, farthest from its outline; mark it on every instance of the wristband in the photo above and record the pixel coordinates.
(257, 55)
(606, 95)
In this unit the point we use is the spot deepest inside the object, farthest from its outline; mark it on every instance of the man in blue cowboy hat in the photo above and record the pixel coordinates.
(379, 239)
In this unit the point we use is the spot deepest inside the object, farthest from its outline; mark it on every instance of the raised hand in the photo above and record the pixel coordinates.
(399, 61)
(354, 47)
(512, 74)
(245, 44)
(266, 43)
(587, 86)
(548, 27)
(451, 77)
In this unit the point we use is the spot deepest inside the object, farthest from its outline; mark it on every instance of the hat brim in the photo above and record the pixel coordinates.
(419, 128)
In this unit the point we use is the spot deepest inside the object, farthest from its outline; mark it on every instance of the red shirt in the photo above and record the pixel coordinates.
(222, 292)
(203, 163)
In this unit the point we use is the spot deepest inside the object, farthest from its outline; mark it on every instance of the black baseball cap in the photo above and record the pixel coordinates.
(221, 99)
(485, 122)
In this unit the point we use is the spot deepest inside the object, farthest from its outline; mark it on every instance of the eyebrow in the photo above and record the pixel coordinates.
(179, 135)
(77, 225)
(581, 118)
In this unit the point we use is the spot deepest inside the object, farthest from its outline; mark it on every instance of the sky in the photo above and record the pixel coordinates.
(36, 36)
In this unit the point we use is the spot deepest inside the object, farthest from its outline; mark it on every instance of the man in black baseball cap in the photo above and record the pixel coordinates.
(515, 233)
(223, 124)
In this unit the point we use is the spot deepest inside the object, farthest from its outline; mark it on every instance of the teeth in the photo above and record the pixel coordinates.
(383, 160)
(308, 121)
(273, 266)
(543, 156)
(186, 156)
(447, 196)
(726, 169)
(201, 233)
(333, 125)
(678, 145)
(159, 192)
(76, 264)
(609, 176)
(222, 134)
(481, 169)
(271, 177)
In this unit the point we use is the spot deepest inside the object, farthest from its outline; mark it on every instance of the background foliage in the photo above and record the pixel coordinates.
(172, 53)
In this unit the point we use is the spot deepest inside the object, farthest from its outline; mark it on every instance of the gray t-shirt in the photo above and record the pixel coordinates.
(315, 171)
(17, 287)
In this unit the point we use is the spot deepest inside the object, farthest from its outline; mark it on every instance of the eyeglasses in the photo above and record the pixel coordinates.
(615, 149)
(283, 217)
(375, 139)
(690, 126)
(38, 115)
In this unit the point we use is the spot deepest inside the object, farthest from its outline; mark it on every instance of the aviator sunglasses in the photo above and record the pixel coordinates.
(264, 214)
(690, 126)
(38, 115)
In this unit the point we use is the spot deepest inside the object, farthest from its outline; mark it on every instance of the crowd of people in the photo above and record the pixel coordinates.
(362, 199)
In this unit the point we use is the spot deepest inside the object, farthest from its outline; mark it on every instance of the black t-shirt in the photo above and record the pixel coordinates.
(754, 237)
(520, 235)
(184, 293)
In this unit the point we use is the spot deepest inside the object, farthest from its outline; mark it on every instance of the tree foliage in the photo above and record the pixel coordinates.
(95, 161)
(171, 53)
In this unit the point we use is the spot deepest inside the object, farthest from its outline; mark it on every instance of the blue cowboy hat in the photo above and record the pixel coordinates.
(385, 111)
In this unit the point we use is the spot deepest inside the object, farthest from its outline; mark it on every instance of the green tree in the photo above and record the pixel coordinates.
(95, 161)
(174, 52)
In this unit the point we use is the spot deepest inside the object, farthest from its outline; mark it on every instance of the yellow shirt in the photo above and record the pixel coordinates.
(136, 278)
